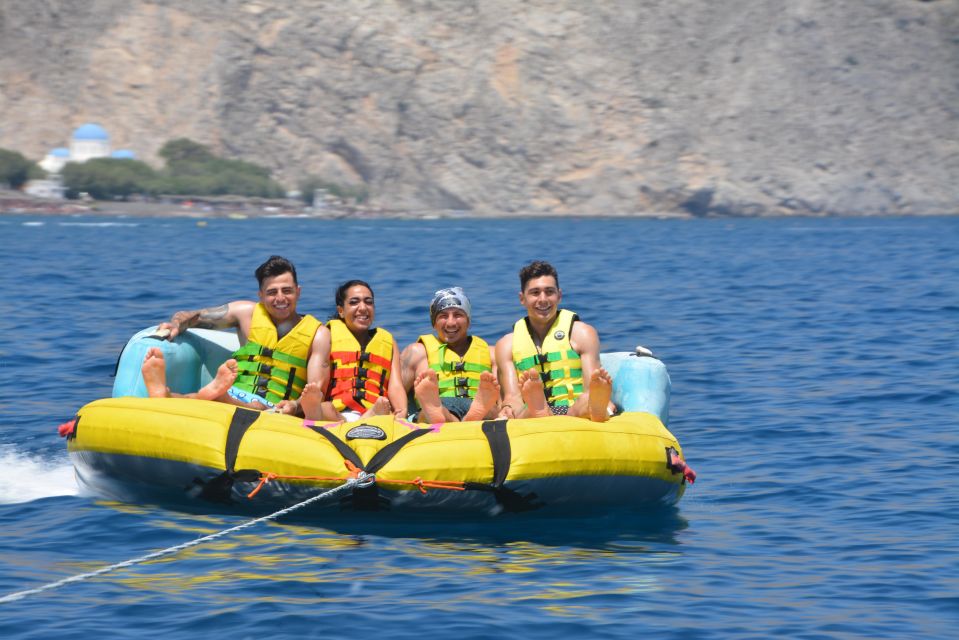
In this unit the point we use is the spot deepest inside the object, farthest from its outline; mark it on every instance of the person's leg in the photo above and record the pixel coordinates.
(487, 397)
(594, 402)
(154, 373)
(217, 388)
(534, 395)
(313, 406)
(427, 392)
(154, 377)
(600, 391)
(381, 407)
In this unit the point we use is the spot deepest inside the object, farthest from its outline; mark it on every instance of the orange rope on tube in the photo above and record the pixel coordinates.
(419, 483)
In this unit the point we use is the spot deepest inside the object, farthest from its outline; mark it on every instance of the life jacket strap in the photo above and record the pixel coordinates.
(251, 349)
(457, 367)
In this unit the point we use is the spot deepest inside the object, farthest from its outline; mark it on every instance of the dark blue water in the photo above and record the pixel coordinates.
(815, 369)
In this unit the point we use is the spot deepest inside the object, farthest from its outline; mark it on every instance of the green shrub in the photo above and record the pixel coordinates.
(191, 169)
(109, 178)
(15, 169)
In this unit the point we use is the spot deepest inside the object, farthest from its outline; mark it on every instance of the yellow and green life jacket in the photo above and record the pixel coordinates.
(458, 376)
(358, 375)
(273, 368)
(559, 366)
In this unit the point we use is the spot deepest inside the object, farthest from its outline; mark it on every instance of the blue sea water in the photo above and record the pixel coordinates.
(815, 392)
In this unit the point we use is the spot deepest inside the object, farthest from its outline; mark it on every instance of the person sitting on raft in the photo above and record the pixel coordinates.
(282, 350)
(452, 374)
(365, 377)
(549, 364)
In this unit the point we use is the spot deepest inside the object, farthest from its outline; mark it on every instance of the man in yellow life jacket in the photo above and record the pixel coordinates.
(549, 364)
(281, 349)
(452, 374)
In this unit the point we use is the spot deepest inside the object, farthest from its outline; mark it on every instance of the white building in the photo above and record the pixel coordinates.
(55, 160)
(52, 188)
(89, 141)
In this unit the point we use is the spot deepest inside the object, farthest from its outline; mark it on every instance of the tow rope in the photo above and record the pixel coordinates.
(361, 480)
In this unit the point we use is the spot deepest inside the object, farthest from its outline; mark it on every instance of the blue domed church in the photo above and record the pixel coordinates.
(88, 141)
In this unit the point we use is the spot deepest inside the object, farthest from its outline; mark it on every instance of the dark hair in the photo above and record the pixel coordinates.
(274, 266)
(340, 296)
(536, 269)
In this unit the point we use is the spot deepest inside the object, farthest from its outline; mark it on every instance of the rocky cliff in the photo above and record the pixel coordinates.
(741, 107)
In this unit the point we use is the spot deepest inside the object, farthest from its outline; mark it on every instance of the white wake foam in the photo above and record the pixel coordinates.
(25, 478)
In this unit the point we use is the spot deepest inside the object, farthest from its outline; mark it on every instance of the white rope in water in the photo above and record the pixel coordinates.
(180, 547)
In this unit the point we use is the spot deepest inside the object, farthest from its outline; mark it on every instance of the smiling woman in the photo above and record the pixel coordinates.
(365, 375)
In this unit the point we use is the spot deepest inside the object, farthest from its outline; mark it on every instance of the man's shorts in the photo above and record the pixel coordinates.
(559, 410)
(457, 406)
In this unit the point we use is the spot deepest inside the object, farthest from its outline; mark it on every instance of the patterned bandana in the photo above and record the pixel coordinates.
(451, 298)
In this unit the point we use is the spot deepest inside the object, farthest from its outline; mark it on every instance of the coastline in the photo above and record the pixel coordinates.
(238, 208)
(16, 203)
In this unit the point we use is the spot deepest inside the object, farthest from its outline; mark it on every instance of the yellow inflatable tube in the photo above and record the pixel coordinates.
(134, 448)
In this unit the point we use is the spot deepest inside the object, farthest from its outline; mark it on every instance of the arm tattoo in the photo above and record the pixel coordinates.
(212, 318)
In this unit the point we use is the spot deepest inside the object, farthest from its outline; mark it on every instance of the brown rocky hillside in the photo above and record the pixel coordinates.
(740, 107)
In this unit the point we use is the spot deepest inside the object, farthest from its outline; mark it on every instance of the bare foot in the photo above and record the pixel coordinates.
(600, 390)
(381, 407)
(154, 373)
(225, 377)
(427, 391)
(487, 395)
(534, 394)
(311, 401)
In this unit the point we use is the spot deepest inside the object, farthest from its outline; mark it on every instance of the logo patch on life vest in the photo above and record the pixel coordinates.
(366, 432)
(559, 335)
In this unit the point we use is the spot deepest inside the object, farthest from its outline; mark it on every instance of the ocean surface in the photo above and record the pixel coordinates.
(815, 390)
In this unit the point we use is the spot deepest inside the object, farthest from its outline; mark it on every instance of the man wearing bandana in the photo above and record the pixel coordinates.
(452, 374)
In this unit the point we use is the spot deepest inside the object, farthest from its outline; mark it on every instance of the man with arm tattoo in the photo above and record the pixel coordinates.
(282, 350)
